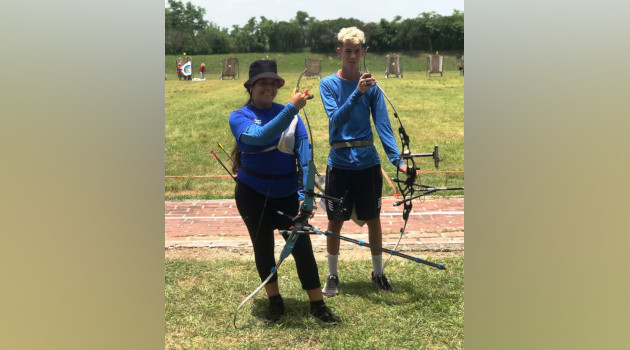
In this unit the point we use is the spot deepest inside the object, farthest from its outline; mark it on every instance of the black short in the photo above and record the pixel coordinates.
(361, 189)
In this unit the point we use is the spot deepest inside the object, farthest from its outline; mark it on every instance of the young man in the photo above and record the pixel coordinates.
(353, 170)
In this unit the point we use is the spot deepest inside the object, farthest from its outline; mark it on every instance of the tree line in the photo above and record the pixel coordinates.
(187, 31)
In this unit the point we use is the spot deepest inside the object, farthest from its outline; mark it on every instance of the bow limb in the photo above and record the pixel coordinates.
(253, 293)
(407, 192)
(288, 248)
(309, 187)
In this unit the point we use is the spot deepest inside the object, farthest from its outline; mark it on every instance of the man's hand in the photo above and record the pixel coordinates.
(366, 82)
(403, 168)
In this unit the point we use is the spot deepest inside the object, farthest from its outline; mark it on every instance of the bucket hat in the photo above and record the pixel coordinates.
(263, 69)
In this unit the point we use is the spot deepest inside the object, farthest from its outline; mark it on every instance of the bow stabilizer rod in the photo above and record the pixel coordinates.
(313, 230)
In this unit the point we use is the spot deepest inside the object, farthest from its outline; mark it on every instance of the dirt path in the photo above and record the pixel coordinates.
(215, 228)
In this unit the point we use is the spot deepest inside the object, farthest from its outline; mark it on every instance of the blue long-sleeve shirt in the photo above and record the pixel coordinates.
(257, 129)
(349, 113)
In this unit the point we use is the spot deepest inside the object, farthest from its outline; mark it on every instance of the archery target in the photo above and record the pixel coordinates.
(187, 68)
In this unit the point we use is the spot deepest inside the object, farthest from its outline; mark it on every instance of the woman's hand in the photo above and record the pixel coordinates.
(298, 99)
(312, 214)
(366, 82)
(308, 215)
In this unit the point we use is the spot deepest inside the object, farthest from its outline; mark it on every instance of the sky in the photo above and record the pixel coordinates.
(227, 13)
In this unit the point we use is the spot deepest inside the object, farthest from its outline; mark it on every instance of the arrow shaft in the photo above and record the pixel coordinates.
(223, 165)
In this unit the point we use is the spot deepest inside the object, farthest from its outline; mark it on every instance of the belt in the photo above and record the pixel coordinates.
(344, 144)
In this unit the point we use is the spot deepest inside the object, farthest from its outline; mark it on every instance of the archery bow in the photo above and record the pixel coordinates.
(288, 247)
(306, 228)
(408, 185)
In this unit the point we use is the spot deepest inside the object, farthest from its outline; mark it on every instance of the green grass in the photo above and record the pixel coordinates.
(431, 109)
(425, 312)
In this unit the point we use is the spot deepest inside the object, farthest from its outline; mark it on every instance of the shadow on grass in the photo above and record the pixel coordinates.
(296, 315)
(296, 310)
(405, 292)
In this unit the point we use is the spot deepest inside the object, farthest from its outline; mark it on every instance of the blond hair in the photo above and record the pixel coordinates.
(351, 34)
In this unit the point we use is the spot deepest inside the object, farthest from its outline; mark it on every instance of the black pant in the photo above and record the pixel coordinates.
(261, 219)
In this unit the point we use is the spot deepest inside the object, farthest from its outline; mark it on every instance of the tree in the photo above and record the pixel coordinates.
(249, 38)
(429, 24)
(386, 36)
(285, 38)
(303, 21)
(267, 32)
(323, 35)
(454, 30)
(213, 39)
(181, 25)
(187, 31)
(410, 34)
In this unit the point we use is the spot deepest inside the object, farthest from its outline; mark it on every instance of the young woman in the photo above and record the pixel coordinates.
(271, 141)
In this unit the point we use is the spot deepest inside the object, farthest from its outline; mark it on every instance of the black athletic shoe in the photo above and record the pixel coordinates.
(324, 315)
(275, 310)
(382, 283)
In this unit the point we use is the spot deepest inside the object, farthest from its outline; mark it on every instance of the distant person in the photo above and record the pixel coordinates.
(179, 72)
(351, 101)
(271, 142)
(202, 69)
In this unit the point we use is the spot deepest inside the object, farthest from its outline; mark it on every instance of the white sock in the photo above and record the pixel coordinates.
(332, 264)
(377, 264)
